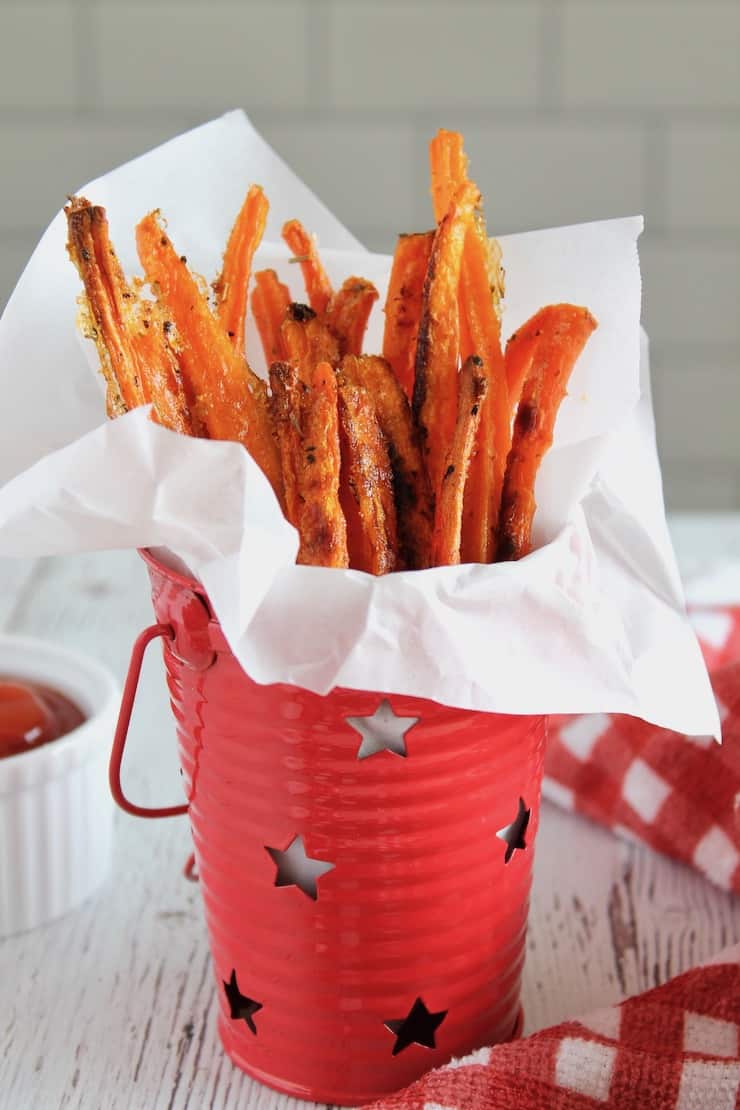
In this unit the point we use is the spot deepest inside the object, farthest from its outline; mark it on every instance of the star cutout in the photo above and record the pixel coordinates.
(418, 1027)
(513, 834)
(295, 868)
(239, 1004)
(383, 731)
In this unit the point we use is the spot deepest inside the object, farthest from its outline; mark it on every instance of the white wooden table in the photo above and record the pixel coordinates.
(114, 1005)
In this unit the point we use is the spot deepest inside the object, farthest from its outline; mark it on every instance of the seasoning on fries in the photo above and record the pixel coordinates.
(424, 456)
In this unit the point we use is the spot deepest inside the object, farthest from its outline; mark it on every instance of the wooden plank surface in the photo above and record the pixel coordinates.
(114, 1006)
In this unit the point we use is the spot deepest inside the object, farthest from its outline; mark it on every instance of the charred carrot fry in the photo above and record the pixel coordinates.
(369, 476)
(270, 301)
(348, 313)
(559, 345)
(131, 344)
(412, 492)
(481, 289)
(232, 284)
(287, 409)
(106, 291)
(438, 344)
(322, 526)
(403, 305)
(448, 514)
(487, 468)
(231, 400)
(305, 251)
(307, 340)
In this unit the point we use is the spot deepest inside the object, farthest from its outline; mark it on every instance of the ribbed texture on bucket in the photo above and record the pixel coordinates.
(419, 902)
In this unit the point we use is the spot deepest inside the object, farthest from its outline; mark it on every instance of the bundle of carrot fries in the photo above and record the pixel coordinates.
(426, 456)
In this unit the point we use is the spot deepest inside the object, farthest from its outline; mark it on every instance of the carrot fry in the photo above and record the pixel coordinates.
(232, 284)
(322, 525)
(303, 246)
(231, 400)
(564, 332)
(481, 290)
(348, 313)
(287, 406)
(307, 340)
(106, 292)
(449, 166)
(520, 350)
(160, 371)
(437, 348)
(448, 516)
(487, 468)
(413, 495)
(270, 301)
(369, 476)
(403, 305)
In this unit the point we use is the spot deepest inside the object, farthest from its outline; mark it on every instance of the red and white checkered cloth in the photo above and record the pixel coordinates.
(679, 794)
(676, 1047)
(672, 1048)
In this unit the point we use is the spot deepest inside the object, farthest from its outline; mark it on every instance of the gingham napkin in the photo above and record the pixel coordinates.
(676, 1047)
(672, 1048)
(679, 794)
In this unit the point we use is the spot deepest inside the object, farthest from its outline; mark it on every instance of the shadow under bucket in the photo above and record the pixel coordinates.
(365, 861)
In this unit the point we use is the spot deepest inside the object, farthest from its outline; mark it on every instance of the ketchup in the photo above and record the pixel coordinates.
(32, 715)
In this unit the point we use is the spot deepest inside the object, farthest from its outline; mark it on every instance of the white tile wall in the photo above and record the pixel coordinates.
(414, 55)
(637, 53)
(38, 56)
(703, 175)
(173, 56)
(572, 110)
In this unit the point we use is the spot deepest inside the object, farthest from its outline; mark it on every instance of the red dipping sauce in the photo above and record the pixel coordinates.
(32, 715)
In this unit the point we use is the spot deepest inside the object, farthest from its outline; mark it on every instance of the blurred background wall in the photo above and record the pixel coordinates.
(572, 110)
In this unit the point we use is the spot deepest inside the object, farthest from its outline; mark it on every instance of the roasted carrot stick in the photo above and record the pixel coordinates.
(348, 312)
(369, 476)
(160, 371)
(305, 251)
(106, 291)
(412, 492)
(448, 514)
(134, 354)
(521, 347)
(231, 400)
(322, 526)
(403, 305)
(438, 344)
(487, 468)
(270, 300)
(449, 165)
(232, 284)
(564, 333)
(307, 340)
(481, 289)
(287, 409)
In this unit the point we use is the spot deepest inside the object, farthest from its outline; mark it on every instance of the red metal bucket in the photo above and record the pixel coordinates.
(365, 861)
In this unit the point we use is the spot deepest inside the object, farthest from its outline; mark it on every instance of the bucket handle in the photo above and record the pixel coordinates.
(124, 720)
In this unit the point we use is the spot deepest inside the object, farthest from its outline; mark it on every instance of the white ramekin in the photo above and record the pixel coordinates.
(55, 807)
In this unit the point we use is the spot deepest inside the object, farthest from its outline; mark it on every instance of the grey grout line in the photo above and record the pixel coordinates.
(423, 117)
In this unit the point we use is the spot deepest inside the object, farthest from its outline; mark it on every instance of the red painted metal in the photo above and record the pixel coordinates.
(124, 720)
(419, 903)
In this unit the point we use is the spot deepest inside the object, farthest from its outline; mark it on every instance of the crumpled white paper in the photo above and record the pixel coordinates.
(593, 620)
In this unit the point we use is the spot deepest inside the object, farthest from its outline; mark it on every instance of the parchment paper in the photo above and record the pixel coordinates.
(592, 620)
